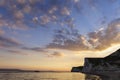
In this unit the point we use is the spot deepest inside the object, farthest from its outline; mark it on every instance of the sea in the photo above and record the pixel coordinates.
(52, 76)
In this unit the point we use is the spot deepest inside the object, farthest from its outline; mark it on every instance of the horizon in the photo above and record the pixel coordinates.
(15, 69)
(56, 35)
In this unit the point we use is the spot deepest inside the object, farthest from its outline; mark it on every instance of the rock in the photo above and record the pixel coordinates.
(77, 69)
(107, 64)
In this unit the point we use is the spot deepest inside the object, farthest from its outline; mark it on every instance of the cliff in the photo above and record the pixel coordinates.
(107, 64)
(77, 69)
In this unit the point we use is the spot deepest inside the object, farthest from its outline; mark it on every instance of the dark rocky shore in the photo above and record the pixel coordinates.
(101, 66)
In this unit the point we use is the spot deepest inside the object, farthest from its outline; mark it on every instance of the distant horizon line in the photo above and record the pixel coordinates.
(17, 69)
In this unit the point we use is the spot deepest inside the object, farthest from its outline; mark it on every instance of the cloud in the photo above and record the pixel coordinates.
(70, 39)
(27, 9)
(2, 2)
(18, 15)
(98, 40)
(3, 22)
(44, 19)
(16, 25)
(76, 1)
(22, 13)
(9, 42)
(65, 11)
(46, 51)
(16, 52)
(92, 3)
(21, 1)
(57, 54)
(109, 36)
(25, 14)
(52, 10)
(36, 49)
(1, 32)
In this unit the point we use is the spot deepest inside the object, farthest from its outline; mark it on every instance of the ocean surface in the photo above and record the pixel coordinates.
(51, 76)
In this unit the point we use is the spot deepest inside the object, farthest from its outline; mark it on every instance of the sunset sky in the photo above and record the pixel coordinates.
(57, 34)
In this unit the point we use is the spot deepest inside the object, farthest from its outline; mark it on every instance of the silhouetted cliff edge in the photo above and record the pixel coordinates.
(108, 64)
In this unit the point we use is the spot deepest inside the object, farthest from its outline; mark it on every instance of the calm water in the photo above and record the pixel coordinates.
(52, 76)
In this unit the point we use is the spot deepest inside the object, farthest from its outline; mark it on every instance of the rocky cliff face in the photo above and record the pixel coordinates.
(87, 66)
(110, 63)
(102, 66)
(77, 69)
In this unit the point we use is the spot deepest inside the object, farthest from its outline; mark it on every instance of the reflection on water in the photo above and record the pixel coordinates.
(103, 77)
(92, 77)
(56, 76)
(42, 76)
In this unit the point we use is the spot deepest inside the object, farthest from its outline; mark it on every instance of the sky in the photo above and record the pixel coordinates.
(57, 34)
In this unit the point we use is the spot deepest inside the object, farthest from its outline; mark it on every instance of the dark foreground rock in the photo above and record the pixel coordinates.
(107, 65)
(77, 69)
